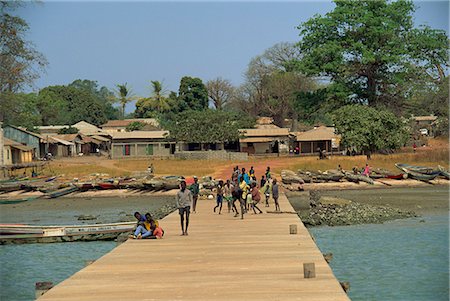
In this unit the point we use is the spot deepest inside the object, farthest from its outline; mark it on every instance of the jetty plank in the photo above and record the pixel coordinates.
(223, 258)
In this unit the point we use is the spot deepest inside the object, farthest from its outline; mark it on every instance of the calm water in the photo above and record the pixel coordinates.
(399, 260)
(24, 265)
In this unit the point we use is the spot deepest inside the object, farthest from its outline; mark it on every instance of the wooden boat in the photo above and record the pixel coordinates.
(171, 184)
(417, 169)
(106, 186)
(444, 172)
(62, 191)
(358, 178)
(19, 234)
(9, 187)
(84, 186)
(17, 201)
(153, 184)
(421, 176)
(329, 177)
(397, 177)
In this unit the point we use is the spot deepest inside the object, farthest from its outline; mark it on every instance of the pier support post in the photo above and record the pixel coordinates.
(345, 285)
(328, 257)
(41, 288)
(88, 262)
(309, 270)
(293, 229)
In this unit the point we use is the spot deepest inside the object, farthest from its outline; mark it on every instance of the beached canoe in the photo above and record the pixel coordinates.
(358, 178)
(61, 192)
(444, 172)
(19, 234)
(397, 177)
(17, 201)
(421, 177)
(417, 169)
(106, 186)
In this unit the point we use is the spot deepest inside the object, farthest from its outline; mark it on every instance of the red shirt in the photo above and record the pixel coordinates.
(158, 232)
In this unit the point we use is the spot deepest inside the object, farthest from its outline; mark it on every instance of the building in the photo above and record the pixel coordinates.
(141, 144)
(16, 153)
(114, 126)
(424, 125)
(27, 138)
(59, 147)
(265, 139)
(311, 141)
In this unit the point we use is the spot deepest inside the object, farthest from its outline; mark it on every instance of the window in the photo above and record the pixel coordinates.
(167, 145)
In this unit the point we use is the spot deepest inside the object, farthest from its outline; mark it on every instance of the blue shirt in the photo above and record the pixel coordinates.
(247, 179)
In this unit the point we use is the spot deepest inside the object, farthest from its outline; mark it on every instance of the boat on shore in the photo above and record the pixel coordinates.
(417, 169)
(421, 176)
(397, 177)
(21, 234)
(358, 178)
(107, 186)
(17, 201)
(444, 172)
(61, 192)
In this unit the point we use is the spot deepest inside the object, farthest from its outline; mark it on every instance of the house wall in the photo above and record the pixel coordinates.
(140, 149)
(7, 156)
(24, 138)
(212, 155)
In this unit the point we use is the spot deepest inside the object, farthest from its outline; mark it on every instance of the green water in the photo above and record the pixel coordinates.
(399, 260)
(24, 265)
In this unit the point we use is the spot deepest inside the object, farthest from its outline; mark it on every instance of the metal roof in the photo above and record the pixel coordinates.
(140, 135)
(318, 134)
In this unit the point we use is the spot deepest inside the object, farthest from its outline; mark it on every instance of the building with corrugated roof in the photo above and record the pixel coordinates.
(320, 138)
(141, 144)
(113, 126)
(264, 139)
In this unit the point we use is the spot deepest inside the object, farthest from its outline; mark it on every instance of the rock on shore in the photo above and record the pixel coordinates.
(341, 212)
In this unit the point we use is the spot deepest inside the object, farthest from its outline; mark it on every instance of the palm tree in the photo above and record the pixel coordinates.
(124, 96)
(158, 101)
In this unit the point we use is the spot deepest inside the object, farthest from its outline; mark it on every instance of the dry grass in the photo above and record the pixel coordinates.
(436, 154)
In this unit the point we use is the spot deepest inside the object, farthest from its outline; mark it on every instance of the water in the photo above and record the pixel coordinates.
(24, 265)
(399, 260)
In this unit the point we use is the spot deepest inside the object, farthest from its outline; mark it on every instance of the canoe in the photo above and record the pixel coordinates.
(62, 191)
(444, 172)
(172, 184)
(417, 169)
(358, 178)
(17, 201)
(18, 234)
(106, 186)
(84, 186)
(420, 176)
(397, 177)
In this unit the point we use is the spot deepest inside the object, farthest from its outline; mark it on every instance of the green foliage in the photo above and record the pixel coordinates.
(135, 126)
(68, 130)
(154, 105)
(369, 129)
(192, 94)
(19, 109)
(19, 61)
(370, 50)
(124, 96)
(207, 126)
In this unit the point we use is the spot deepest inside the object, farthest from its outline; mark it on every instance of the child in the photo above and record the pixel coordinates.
(219, 196)
(275, 194)
(256, 197)
(227, 189)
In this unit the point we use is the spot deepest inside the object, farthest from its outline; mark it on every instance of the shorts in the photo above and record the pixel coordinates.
(219, 199)
(186, 209)
(229, 199)
(249, 199)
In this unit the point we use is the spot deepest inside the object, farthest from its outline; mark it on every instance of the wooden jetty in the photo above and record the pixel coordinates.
(223, 258)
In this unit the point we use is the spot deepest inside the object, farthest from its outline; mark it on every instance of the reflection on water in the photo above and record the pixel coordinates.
(399, 260)
(24, 265)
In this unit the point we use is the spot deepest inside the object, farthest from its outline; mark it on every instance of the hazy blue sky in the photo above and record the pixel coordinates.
(117, 42)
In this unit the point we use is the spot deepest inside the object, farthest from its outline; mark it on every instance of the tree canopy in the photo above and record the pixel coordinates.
(370, 50)
(207, 126)
(192, 94)
(369, 129)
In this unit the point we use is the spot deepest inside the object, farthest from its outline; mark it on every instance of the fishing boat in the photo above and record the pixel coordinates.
(84, 186)
(106, 186)
(20, 234)
(397, 177)
(17, 201)
(417, 169)
(444, 172)
(61, 192)
(421, 176)
(358, 178)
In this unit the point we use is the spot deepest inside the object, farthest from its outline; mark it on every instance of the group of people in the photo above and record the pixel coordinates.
(244, 189)
(147, 227)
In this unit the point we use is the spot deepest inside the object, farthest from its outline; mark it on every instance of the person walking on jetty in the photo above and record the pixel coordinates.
(268, 174)
(256, 197)
(275, 194)
(184, 201)
(227, 194)
(219, 197)
(195, 189)
(243, 196)
(263, 182)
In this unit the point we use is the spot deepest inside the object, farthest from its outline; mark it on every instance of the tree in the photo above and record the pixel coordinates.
(207, 126)
(20, 109)
(154, 105)
(220, 91)
(369, 129)
(192, 94)
(20, 62)
(68, 130)
(124, 96)
(370, 50)
(135, 126)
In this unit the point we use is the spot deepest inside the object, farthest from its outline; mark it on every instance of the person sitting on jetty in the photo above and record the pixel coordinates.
(256, 197)
(184, 201)
(219, 197)
(140, 226)
(275, 194)
(154, 232)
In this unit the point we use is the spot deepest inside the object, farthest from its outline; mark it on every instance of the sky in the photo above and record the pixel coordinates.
(136, 42)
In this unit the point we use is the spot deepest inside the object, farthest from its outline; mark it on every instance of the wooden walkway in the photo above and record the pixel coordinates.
(223, 258)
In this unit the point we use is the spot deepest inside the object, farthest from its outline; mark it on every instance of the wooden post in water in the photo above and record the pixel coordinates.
(293, 229)
(88, 262)
(345, 286)
(328, 257)
(41, 288)
(309, 270)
